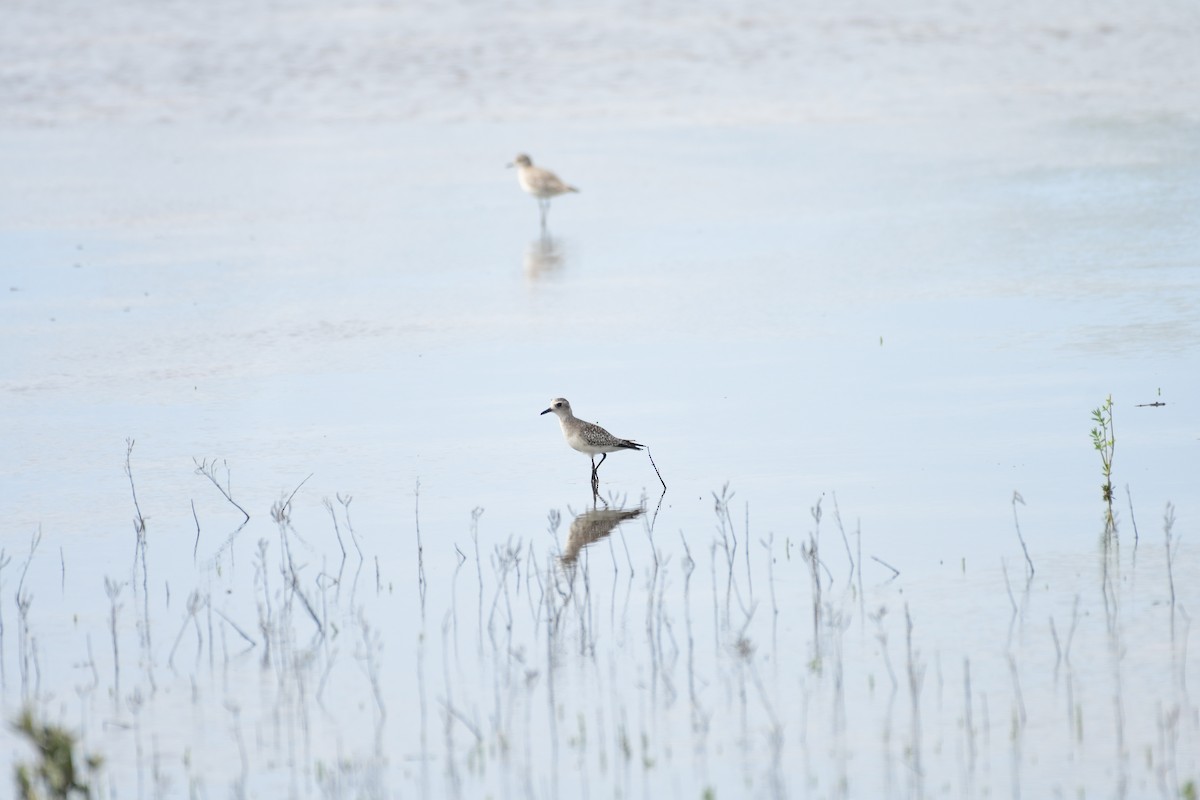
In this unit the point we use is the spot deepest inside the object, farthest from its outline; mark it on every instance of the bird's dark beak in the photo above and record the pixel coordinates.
(509, 165)
(547, 411)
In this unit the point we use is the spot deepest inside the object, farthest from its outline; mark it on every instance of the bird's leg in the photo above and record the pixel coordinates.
(596, 473)
(544, 206)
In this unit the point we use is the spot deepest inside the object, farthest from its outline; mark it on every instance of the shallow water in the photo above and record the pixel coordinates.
(875, 262)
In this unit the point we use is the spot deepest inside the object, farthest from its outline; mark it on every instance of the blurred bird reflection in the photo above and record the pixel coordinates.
(544, 256)
(592, 526)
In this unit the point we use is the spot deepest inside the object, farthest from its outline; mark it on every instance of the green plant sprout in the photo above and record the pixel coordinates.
(1104, 440)
(55, 775)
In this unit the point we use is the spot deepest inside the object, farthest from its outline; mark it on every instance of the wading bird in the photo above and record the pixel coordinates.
(587, 437)
(541, 183)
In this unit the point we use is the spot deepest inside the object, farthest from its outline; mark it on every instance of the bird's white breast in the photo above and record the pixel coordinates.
(574, 437)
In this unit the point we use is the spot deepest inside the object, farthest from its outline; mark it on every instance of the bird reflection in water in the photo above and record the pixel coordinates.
(592, 526)
(544, 256)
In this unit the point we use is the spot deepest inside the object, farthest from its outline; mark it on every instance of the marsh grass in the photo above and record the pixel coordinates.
(603, 654)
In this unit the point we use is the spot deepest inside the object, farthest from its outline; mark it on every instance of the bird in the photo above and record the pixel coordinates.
(541, 183)
(587, 437)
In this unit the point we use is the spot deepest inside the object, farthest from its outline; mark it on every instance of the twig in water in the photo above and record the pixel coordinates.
(811, 554)
(456, 714)
(1011, 599)
(209, 470)
(746, 555)
(91, 662)
(265, 610)
(767, 545)
(25, 644)
(305, 602)
(345, 501)
(1018, 696)
(1071, 632)
(195, 603)
(817, 514)
(916, 676)
(1129, 495)
(656, 472)
(139, 547)
(654, 517)
(862, 601)
(969, 723)
(1016, 498)
(689, 566)
(196, 546)
(882, 638)
(729, 534)
(628, 558)
(139, 522)
(336, 530)
(372, 645)
(34, 541)
(4, 562)
(1057, 647)
(421, 584)
(113, 590)
(1168, 524)
(287, 504)
(837, 517)
(234, 625)
(476, 513)
(895, 572)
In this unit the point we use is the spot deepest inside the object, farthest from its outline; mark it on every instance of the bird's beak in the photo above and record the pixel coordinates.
(547, 411)
(510, 165)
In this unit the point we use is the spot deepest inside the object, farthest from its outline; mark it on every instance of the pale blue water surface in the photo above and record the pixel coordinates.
(882, 263)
